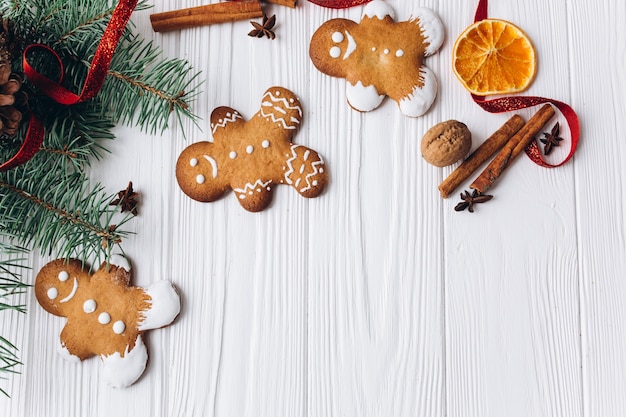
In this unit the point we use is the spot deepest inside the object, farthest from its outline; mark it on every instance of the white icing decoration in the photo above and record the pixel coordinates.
(249, 149)
(53, 293)
(265, 144)
(351, 46)
(379, 9)
(386, 51)
(213, 163)
(104, 318)
(164, 306)
(72, 294)
(335, 52)
(242, 196)
(224, 122)
(316, 166)
(119, 327)
(121, 372)
(420, 100)
(337, 37)
(65, 353)
(399, 53)
(432, 29)
(373, 49)
(193, 162)
(363, 98)
(249, 187)
(283, 102)
(232, 155)
(89, 306)
(306, 154)
(200, 179)
(120, 261)
(64, 276)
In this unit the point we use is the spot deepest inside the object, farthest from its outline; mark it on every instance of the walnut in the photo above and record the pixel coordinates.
(446, 143)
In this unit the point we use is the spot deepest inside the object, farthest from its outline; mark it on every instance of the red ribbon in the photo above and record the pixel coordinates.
(506, 104)
(339, 4)
(93, 83)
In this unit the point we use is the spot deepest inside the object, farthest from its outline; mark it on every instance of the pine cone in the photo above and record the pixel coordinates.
(12, 99)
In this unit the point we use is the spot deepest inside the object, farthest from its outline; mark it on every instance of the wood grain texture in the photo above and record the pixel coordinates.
(377, 298)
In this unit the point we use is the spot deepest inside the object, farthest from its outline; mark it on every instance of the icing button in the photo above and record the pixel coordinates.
(104, 318)
(119, 327)
(250, 149)
(89, 306)
(399, 53)
(232, 155)
(265, 144)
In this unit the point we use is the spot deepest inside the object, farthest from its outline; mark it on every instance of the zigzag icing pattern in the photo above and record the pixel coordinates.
(280, 105)
(228, 119)
(249, 187)
(316, 171)
(289, 163)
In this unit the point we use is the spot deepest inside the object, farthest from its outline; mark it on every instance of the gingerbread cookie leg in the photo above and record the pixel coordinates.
(164, 306)
(122, 371)
(422, 97)
(363, 98)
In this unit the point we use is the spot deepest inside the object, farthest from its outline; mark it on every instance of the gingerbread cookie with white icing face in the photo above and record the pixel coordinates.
(106, 316)
(252, 157)
(379, 57)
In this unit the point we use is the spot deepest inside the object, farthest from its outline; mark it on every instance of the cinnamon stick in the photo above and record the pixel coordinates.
(206, 15)
(288, 3)
(512, 149)
(485, 151)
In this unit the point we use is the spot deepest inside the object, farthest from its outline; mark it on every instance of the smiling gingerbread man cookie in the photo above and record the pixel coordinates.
(105, 315)
(379, 57)
(251, 157)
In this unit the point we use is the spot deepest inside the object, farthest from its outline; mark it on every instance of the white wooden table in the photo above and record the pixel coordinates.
(377, 298)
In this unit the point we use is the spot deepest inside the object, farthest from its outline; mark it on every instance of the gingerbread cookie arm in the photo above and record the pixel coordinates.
(305, 171)
(432, 30)
(122, 371)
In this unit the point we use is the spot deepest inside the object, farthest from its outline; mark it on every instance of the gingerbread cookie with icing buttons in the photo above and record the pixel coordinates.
(252, 157)
(380, 57)
(106, 316)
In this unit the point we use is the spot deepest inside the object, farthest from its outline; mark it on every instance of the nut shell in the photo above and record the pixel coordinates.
(446, 143)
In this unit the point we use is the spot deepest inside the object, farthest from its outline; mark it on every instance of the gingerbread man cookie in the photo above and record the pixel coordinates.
(379, 57)
(105, 315)
(251, 157)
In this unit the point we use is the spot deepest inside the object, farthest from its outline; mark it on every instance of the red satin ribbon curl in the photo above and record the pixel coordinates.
(93, 83)
(506, 104)
(339, 4)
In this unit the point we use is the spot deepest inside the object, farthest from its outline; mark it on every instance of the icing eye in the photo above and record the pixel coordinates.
(193, 162)
(335, 52)
(119, 327)
(265, 144)
(64, 276)
(53, 293)
(233, 155)
(337, 37)
(250, 149)
(104, 318)
(200, 179)
(89, 306)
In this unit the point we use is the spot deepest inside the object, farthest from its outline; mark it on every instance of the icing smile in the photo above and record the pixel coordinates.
(72, 294)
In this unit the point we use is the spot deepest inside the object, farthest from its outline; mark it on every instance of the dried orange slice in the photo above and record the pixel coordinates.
(494, 57)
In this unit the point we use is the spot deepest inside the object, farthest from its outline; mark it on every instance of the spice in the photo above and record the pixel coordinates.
(512, 149)
(206, 15)
(265, 29)
(127, 200)
(551, 139)
(470, 199)
(485, 151)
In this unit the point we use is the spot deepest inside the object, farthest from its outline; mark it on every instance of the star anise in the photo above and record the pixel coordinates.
(127, 200)
(551, 139)
(470, 199)
(265, 29)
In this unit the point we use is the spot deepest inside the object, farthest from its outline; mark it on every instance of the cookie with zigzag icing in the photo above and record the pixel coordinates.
(252, 157)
